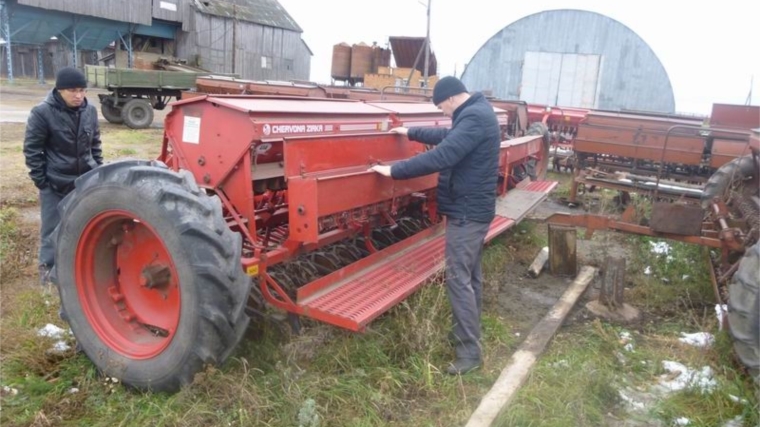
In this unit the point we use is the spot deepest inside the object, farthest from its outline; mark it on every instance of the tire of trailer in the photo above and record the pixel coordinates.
(149, 274)
(744, 311)
(540, 128)
(111, 114)
(137, 113)
(737, 169)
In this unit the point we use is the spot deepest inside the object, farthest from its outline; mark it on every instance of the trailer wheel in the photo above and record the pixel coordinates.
(149, 274)
(111, 114)
(744, 311)
(137, 113)
(732, 172)
(540, 128)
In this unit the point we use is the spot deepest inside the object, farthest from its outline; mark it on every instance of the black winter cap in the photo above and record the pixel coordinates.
(446, 88)
(70, 78)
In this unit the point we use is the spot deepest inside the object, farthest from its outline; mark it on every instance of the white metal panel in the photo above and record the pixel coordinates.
(540, 77)
(560, 79)
(578, 81)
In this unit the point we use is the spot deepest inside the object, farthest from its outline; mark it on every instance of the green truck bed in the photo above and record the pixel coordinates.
(116, 78)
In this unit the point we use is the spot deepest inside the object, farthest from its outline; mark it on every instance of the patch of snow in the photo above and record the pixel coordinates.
(60, 347)
(9, 390)
(680, 377)
(681, 421)
(737, 399)
(736, 422)
(73, 390)
(630, 401)
(660, 248)
(648, 270)
(698, 339)
(628, 347)
(720, 311)
(51, 331)
(560, 364)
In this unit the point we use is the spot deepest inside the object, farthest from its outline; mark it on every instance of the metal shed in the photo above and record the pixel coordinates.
(256, 39)
(572, 58)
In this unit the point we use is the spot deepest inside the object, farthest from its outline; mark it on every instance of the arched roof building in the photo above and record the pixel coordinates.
(571, 58)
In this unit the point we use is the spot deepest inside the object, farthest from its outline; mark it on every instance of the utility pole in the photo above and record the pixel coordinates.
(427, 45)
(234, 36)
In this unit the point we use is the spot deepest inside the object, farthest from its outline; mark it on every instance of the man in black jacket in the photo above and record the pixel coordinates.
(62, 142)
(467, 159)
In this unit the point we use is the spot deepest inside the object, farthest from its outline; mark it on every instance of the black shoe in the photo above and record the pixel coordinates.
(463, 366)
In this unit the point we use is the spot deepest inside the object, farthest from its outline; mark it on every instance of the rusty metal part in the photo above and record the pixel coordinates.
(676, 218)
(732, 237)
(661, 146)
(593, 223)
(716, 288)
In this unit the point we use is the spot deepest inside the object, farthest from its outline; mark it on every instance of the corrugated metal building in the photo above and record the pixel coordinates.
(256, 39)
(572, 58)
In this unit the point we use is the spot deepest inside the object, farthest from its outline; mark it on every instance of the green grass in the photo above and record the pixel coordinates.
(121, 142)
(392, 374)
(15, 243)
(389, 375)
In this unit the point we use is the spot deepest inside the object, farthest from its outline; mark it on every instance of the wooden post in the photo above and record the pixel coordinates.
(562, 250)
(517, 371)
(539, 262)
(611, 294)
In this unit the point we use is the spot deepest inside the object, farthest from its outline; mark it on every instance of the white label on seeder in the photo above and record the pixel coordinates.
(191, 132)
(167, 5)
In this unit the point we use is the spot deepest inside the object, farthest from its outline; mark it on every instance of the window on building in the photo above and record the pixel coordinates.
(401, 84)
(266, 62)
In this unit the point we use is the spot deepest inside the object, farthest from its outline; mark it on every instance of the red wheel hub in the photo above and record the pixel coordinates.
(127, 284)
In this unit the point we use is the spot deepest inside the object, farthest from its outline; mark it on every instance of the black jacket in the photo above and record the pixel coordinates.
(467, 157)
(61, 143)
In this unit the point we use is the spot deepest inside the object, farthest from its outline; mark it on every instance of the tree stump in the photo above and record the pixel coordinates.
(562, 250)
(613, 281)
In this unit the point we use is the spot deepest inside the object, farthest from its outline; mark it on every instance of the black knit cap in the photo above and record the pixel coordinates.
(70, 78)
(446, 88)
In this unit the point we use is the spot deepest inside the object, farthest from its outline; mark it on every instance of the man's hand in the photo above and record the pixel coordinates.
(400, 130)
(382, 170)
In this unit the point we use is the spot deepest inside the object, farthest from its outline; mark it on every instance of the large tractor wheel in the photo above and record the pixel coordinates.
(736, 183)
(540, 128)
(149, 274)
(137, 113)
(111, 114)
(744, 311)
(728, 175)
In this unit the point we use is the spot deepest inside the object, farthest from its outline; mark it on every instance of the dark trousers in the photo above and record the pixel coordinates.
(464, 283)
(49, 219)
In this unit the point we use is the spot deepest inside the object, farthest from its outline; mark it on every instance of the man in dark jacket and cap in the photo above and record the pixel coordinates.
(62, 142)
(467, 159)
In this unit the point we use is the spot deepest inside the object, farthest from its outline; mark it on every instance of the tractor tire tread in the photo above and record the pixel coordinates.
(744, 310)
(212, 250)
(719, 181)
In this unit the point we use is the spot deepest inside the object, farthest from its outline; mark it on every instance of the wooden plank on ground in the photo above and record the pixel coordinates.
(516, 372)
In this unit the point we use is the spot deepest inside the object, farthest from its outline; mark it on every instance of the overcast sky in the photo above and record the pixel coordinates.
(710, 50)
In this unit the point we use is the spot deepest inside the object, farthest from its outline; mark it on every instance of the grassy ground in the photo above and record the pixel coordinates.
(389, 376)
